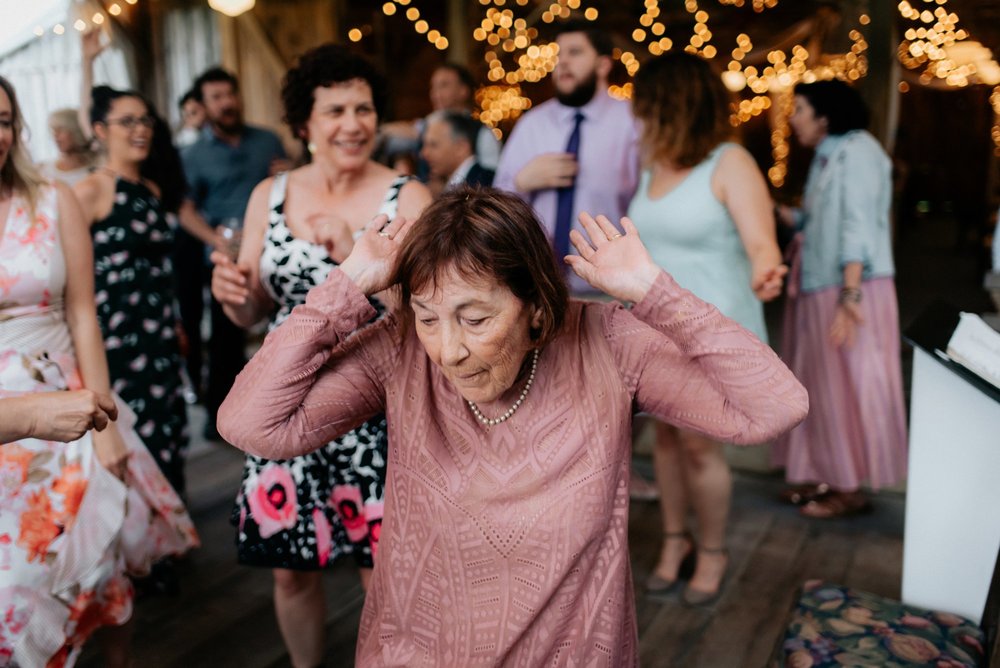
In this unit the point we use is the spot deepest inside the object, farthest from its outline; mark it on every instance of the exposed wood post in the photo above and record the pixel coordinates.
(458, 32)
(879, 87)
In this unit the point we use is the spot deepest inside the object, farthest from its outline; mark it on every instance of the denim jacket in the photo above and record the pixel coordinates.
(845, 212)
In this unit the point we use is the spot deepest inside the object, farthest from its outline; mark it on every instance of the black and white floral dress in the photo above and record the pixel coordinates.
(303, 513)
(134, 294)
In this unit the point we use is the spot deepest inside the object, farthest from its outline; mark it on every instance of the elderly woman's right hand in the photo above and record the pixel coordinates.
(373, 257)
(230, 282)
(614, 263)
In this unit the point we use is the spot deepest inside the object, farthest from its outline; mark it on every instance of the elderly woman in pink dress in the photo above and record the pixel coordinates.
(509, 407)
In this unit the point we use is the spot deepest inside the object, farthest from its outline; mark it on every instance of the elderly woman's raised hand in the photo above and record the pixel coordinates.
(614, 263)
(373, 257)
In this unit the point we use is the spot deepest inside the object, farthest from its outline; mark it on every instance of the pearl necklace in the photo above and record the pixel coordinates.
(517, 404)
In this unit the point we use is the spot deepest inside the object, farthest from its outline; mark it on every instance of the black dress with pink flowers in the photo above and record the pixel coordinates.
(304, 513)
(135, 307)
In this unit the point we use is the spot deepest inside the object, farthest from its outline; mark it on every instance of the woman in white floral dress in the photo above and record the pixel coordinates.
(74, 517)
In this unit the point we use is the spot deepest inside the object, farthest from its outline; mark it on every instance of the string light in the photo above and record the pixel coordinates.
(499, 103)
(937, 45)
(780, 132)
(758, 5)
(772, 86)
(412, 14)
(995, 101)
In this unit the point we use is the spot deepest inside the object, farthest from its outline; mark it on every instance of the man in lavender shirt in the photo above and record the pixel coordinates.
(603, 176)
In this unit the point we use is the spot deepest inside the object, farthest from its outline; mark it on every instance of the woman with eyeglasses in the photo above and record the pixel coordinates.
(133, 239)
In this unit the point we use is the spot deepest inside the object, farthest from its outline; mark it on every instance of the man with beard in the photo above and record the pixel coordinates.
(578, 151)
(229, 159)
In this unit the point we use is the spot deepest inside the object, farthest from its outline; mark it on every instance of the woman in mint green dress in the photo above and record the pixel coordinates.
(704, 212)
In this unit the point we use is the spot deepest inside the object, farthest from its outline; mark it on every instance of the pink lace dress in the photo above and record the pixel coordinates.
(69, 530)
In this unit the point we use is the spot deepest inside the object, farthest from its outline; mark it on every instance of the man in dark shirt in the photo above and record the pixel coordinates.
(222, 168)
(450, 149)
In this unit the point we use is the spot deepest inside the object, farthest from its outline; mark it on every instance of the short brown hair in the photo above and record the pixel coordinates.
(684, 109)
(484, 233)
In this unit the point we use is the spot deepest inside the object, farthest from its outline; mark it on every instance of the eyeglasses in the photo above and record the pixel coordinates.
(132, 122)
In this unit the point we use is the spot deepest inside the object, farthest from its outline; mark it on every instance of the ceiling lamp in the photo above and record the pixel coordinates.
(231, 7)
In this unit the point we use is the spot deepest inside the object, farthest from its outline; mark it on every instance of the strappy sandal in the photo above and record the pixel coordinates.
(803, 494)
(660, 586)
(698, 598)
(833, 505)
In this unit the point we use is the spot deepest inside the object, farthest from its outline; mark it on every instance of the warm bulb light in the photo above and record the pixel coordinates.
(231, 7)
(734, 80)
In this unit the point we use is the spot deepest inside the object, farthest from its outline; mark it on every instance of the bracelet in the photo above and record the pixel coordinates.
(849, 296)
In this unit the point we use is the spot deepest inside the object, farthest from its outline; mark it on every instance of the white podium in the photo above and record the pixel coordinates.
(952, 531)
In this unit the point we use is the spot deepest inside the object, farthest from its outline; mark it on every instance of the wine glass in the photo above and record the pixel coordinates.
(231, 230)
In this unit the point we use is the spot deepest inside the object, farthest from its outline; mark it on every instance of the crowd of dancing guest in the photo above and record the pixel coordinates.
(431, 395)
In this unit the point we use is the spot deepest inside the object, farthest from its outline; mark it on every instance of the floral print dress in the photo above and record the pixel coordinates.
(303, 513)
(133, 280)
(69, 530)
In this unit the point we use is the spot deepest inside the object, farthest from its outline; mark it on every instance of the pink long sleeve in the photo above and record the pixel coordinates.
(691, 366)
(311, 381)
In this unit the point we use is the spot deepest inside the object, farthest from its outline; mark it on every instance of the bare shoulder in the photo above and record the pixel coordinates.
(738, 169)
(88, 188)
(263, 189)
(735, 157)
(416, 192)
(413, 199)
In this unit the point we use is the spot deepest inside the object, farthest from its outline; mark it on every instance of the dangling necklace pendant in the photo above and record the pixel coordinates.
(490, 422)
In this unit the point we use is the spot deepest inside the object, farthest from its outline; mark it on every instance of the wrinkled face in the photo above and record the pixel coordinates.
(127, 131)
(193, 114)
(809, 129)
(441, 150)
(448, 91)
(578, 63)
(223, 106)
(476, 332)
(6, 126)
(343, 123)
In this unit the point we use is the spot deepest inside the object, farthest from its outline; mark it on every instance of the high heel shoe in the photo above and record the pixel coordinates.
(660, 586)
(698, 598)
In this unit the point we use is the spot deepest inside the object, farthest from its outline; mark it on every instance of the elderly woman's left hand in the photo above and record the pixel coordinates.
(615, 263)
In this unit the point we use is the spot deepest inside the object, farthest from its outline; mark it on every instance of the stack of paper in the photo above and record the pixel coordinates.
(976, 346)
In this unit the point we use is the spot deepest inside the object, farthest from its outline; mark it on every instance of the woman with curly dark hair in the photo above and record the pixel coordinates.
(298, 515)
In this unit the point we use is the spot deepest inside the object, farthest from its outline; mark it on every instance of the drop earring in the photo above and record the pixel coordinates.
(311, 147)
